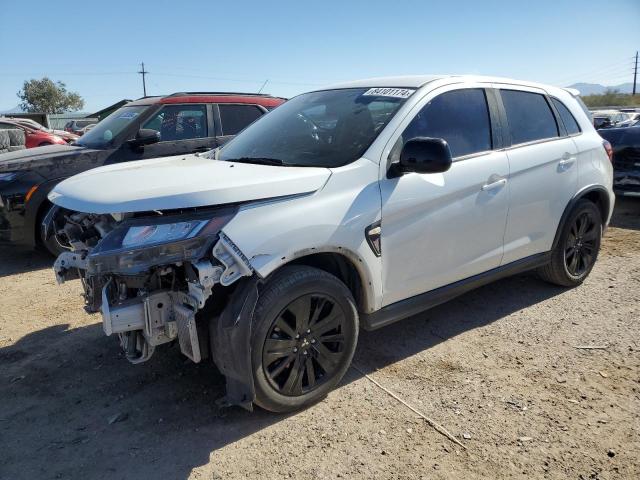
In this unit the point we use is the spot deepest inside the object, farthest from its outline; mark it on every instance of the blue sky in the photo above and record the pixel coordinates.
(96, 47)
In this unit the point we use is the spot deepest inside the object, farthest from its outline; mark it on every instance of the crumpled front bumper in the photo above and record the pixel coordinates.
(159, 316)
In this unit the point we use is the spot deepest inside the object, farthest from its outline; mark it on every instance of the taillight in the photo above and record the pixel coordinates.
(609, 149)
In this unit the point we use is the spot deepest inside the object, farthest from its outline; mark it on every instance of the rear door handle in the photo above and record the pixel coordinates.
(567, 160)
(493, 185)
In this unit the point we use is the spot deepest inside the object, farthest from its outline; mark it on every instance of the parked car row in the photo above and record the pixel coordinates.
(615, 118)
(27, 122)
(344, 208)
(35, 137)
(148, 128)
(79, 127)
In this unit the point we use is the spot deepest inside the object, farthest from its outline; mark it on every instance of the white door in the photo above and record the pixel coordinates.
(543, 173)
(440, 228)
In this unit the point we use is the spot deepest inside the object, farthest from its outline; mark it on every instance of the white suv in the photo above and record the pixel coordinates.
(349, 207)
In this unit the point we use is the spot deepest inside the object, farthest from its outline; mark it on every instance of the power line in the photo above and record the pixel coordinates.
(610, 74)
(239, 80)
(597, 71)
(143, 72)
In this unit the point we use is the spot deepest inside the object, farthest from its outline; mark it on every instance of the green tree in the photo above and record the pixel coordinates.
(46, 96)
(611, 98)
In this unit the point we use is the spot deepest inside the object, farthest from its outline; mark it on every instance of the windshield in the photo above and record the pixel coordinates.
(318, 129)
(101, 135)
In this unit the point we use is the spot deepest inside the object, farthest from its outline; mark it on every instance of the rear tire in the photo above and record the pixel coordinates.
(575, 254)
(304, 335)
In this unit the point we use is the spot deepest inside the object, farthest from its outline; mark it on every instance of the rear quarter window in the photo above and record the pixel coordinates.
(570, 123)
(529, 116)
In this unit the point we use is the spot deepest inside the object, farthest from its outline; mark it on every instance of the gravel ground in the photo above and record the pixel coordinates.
(497, 367)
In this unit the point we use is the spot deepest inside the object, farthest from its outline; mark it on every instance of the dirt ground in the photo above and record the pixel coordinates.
(497, 367)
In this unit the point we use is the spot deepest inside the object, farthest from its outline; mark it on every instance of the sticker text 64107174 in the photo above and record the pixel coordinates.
(389, 92)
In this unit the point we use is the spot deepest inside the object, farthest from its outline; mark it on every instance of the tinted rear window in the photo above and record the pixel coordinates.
(567, 118)
(235, 118)
(529, 115)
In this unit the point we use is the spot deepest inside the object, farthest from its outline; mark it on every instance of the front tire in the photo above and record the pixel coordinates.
(50, 244)
(575, 254)
(305, 330)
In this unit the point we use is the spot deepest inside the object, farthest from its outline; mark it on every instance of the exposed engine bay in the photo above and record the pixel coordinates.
(149, 274)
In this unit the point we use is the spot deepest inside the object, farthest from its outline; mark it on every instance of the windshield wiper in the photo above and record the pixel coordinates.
(258, 160)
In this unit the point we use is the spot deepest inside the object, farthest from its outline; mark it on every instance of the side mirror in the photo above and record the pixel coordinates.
(145, 136)
(425, 155)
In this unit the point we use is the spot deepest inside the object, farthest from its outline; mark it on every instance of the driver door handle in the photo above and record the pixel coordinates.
(493, 185)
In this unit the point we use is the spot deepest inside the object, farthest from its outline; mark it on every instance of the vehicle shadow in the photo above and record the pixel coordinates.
(14, 260)
(626, 213)
(73, 407)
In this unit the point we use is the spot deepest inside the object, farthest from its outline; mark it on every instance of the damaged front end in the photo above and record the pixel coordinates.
(151, 276)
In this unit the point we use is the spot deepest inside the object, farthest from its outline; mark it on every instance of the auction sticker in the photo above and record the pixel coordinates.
(128, 115)
(389, 92)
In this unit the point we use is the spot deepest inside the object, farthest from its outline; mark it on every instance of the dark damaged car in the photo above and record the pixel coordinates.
(151, 127)
(626, 159)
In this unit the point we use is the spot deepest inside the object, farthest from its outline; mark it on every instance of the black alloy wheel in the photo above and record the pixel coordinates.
(305, 344)
(303, 336)
(577, 246)
(581, 244)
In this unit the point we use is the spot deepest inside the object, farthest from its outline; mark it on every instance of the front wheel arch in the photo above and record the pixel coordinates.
(344, 268)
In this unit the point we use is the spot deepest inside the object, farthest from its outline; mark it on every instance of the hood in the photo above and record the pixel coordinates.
(64, 134)
(181, 182)
(31, 158)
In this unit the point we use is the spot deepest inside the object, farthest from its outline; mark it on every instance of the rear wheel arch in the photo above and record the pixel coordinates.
(597, 195)
(600, 197)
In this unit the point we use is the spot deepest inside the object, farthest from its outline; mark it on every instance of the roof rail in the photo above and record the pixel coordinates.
(219, 93)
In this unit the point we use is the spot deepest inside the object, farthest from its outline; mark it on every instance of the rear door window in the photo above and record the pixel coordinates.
(529, 116)
(461, 117)
(180, 122)
(235, 118)
(567, 118)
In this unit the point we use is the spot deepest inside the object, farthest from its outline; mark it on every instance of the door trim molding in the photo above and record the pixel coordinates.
(424, 301)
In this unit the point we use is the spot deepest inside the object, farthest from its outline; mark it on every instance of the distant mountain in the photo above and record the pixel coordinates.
(15, 109)
(597, 89)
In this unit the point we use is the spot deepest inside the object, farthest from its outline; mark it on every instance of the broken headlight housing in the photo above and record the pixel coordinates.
(137, 244)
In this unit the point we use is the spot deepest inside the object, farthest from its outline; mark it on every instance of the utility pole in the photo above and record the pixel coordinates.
(635, 74)
(143, 72)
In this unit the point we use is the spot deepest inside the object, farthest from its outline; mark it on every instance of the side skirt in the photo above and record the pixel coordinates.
(411, 306)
